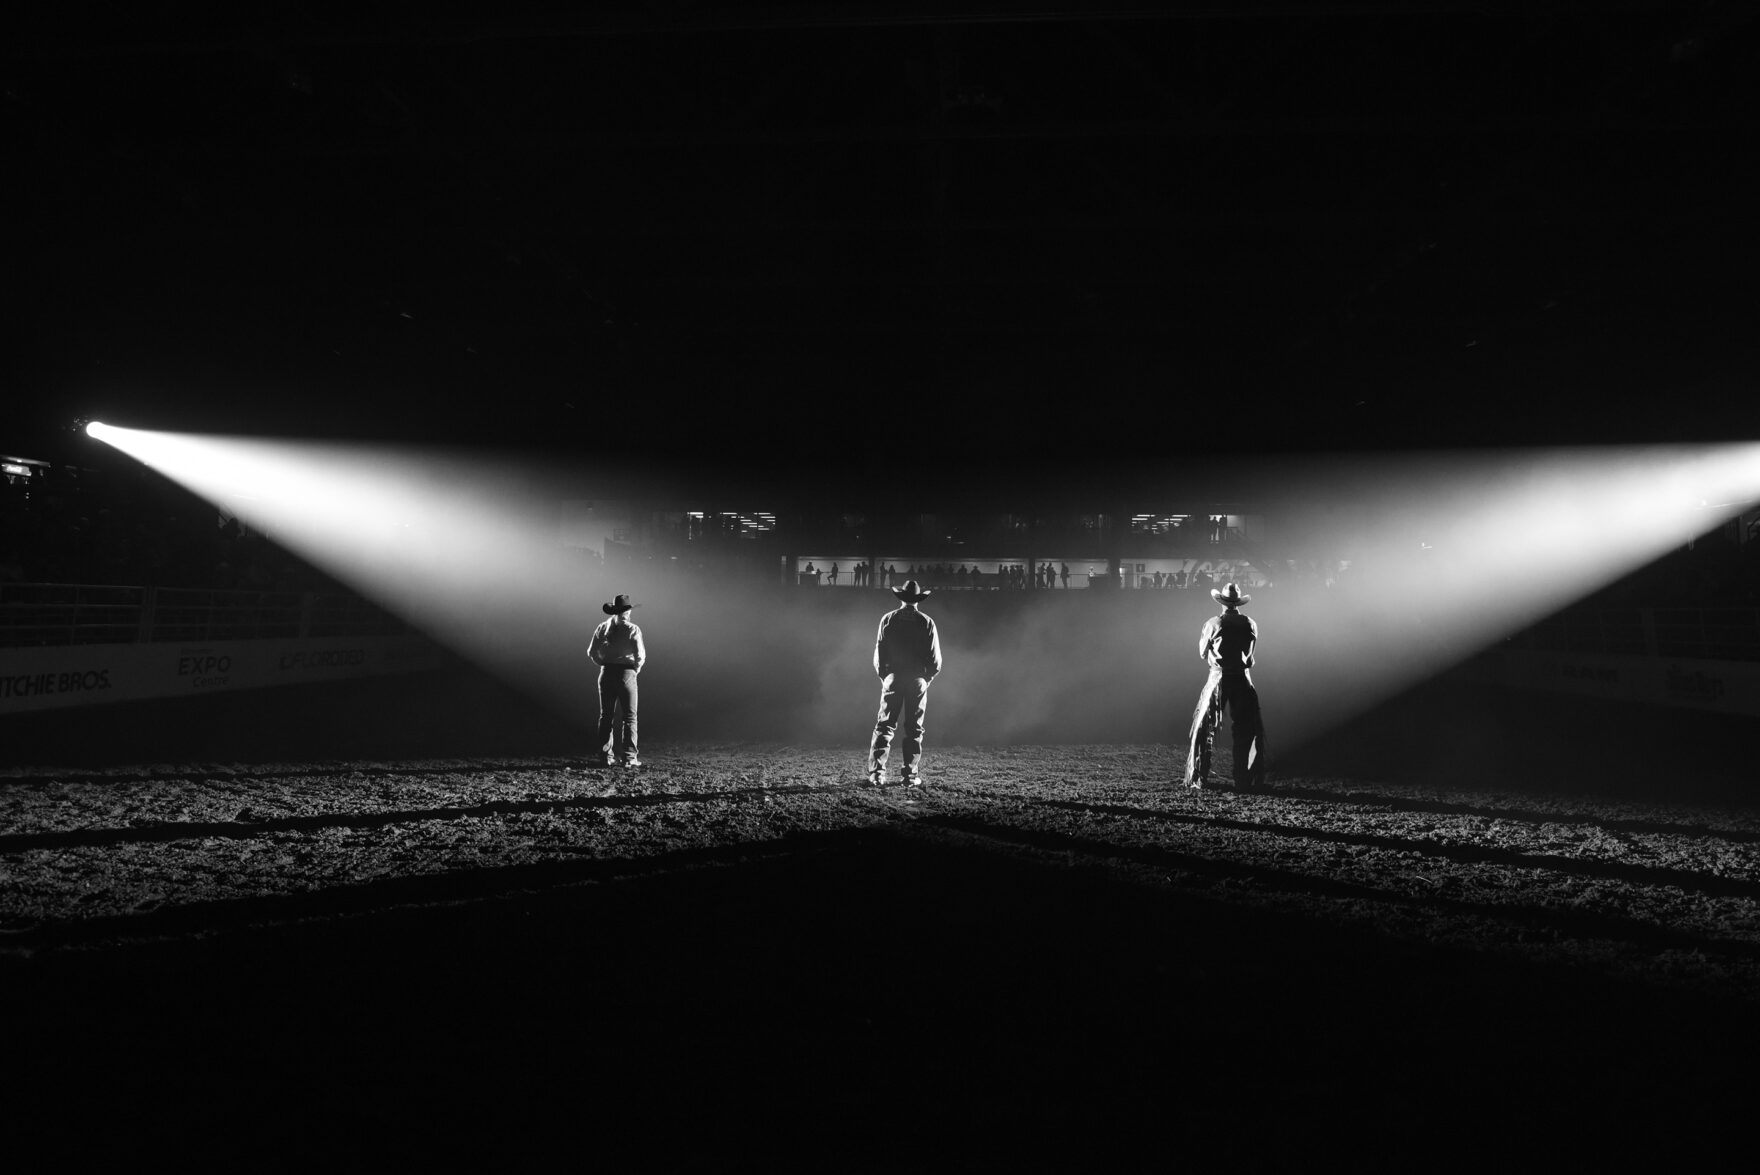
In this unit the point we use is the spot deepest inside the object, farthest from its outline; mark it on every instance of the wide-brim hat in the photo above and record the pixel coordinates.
(1229, 595)
(912, 591)
(622, 604)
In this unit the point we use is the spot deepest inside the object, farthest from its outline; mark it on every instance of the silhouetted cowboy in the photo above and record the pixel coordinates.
(618, 651)
(907, 656)
(1227, 644)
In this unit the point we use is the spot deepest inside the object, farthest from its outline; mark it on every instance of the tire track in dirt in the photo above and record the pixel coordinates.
(1575, 923)
(1453, 852)
(247, 774)
(1551, 815)
(1610, 944)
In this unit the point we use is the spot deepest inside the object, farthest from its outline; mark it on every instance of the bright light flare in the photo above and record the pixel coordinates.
(467, 551)
(1451, 553)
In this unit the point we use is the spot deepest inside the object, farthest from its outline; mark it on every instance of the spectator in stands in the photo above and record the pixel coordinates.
(1227, 644)
(907, 658)
(618, 650)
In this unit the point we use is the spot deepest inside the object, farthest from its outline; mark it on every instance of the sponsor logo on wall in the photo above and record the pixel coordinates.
(55, 677)
(73, 681)
(1730, 687)
(204, 668)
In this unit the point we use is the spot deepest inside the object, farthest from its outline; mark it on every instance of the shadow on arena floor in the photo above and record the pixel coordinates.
(450, 713)
(876, 1002)
(1450, 734)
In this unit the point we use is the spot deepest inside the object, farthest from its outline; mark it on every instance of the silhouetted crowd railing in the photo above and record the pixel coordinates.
(1060, 575)
(941, 576)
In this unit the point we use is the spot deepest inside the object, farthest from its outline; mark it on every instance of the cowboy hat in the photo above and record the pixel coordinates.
(1230, 595)
(911, 592)
(622, 604)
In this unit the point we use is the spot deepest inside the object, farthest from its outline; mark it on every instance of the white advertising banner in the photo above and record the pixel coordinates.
(1732, 687)
(81, 675)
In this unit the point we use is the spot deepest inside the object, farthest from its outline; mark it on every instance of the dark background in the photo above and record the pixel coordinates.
(815, 239)
(836, 244)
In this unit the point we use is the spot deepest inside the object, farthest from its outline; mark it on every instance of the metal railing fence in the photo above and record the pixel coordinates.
(85, 614)
(34, 614)
(1714, 634)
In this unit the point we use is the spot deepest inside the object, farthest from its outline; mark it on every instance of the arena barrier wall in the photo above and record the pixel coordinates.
(82, 675)
(1729, 687)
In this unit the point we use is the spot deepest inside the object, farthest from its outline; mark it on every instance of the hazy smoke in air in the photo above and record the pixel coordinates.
(1448, 554)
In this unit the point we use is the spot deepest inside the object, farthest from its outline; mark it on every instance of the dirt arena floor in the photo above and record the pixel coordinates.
(1465, 927)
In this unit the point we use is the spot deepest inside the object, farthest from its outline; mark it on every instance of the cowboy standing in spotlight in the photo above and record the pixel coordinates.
(907, 656)
(618, 651)
(1227, 644)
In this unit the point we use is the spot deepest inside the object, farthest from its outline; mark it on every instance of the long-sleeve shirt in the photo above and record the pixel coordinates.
(617, 644)
(907, 643)
(1228, 642)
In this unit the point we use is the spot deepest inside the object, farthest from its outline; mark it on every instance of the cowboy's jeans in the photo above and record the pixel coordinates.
(903, 702)
(617, 698)
(1233, 692)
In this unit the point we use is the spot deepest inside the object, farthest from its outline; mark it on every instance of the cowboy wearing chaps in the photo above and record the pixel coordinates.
(1227, 644)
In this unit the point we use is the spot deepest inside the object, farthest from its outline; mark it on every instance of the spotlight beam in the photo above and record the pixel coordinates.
(1450, 553)
(465, 551)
